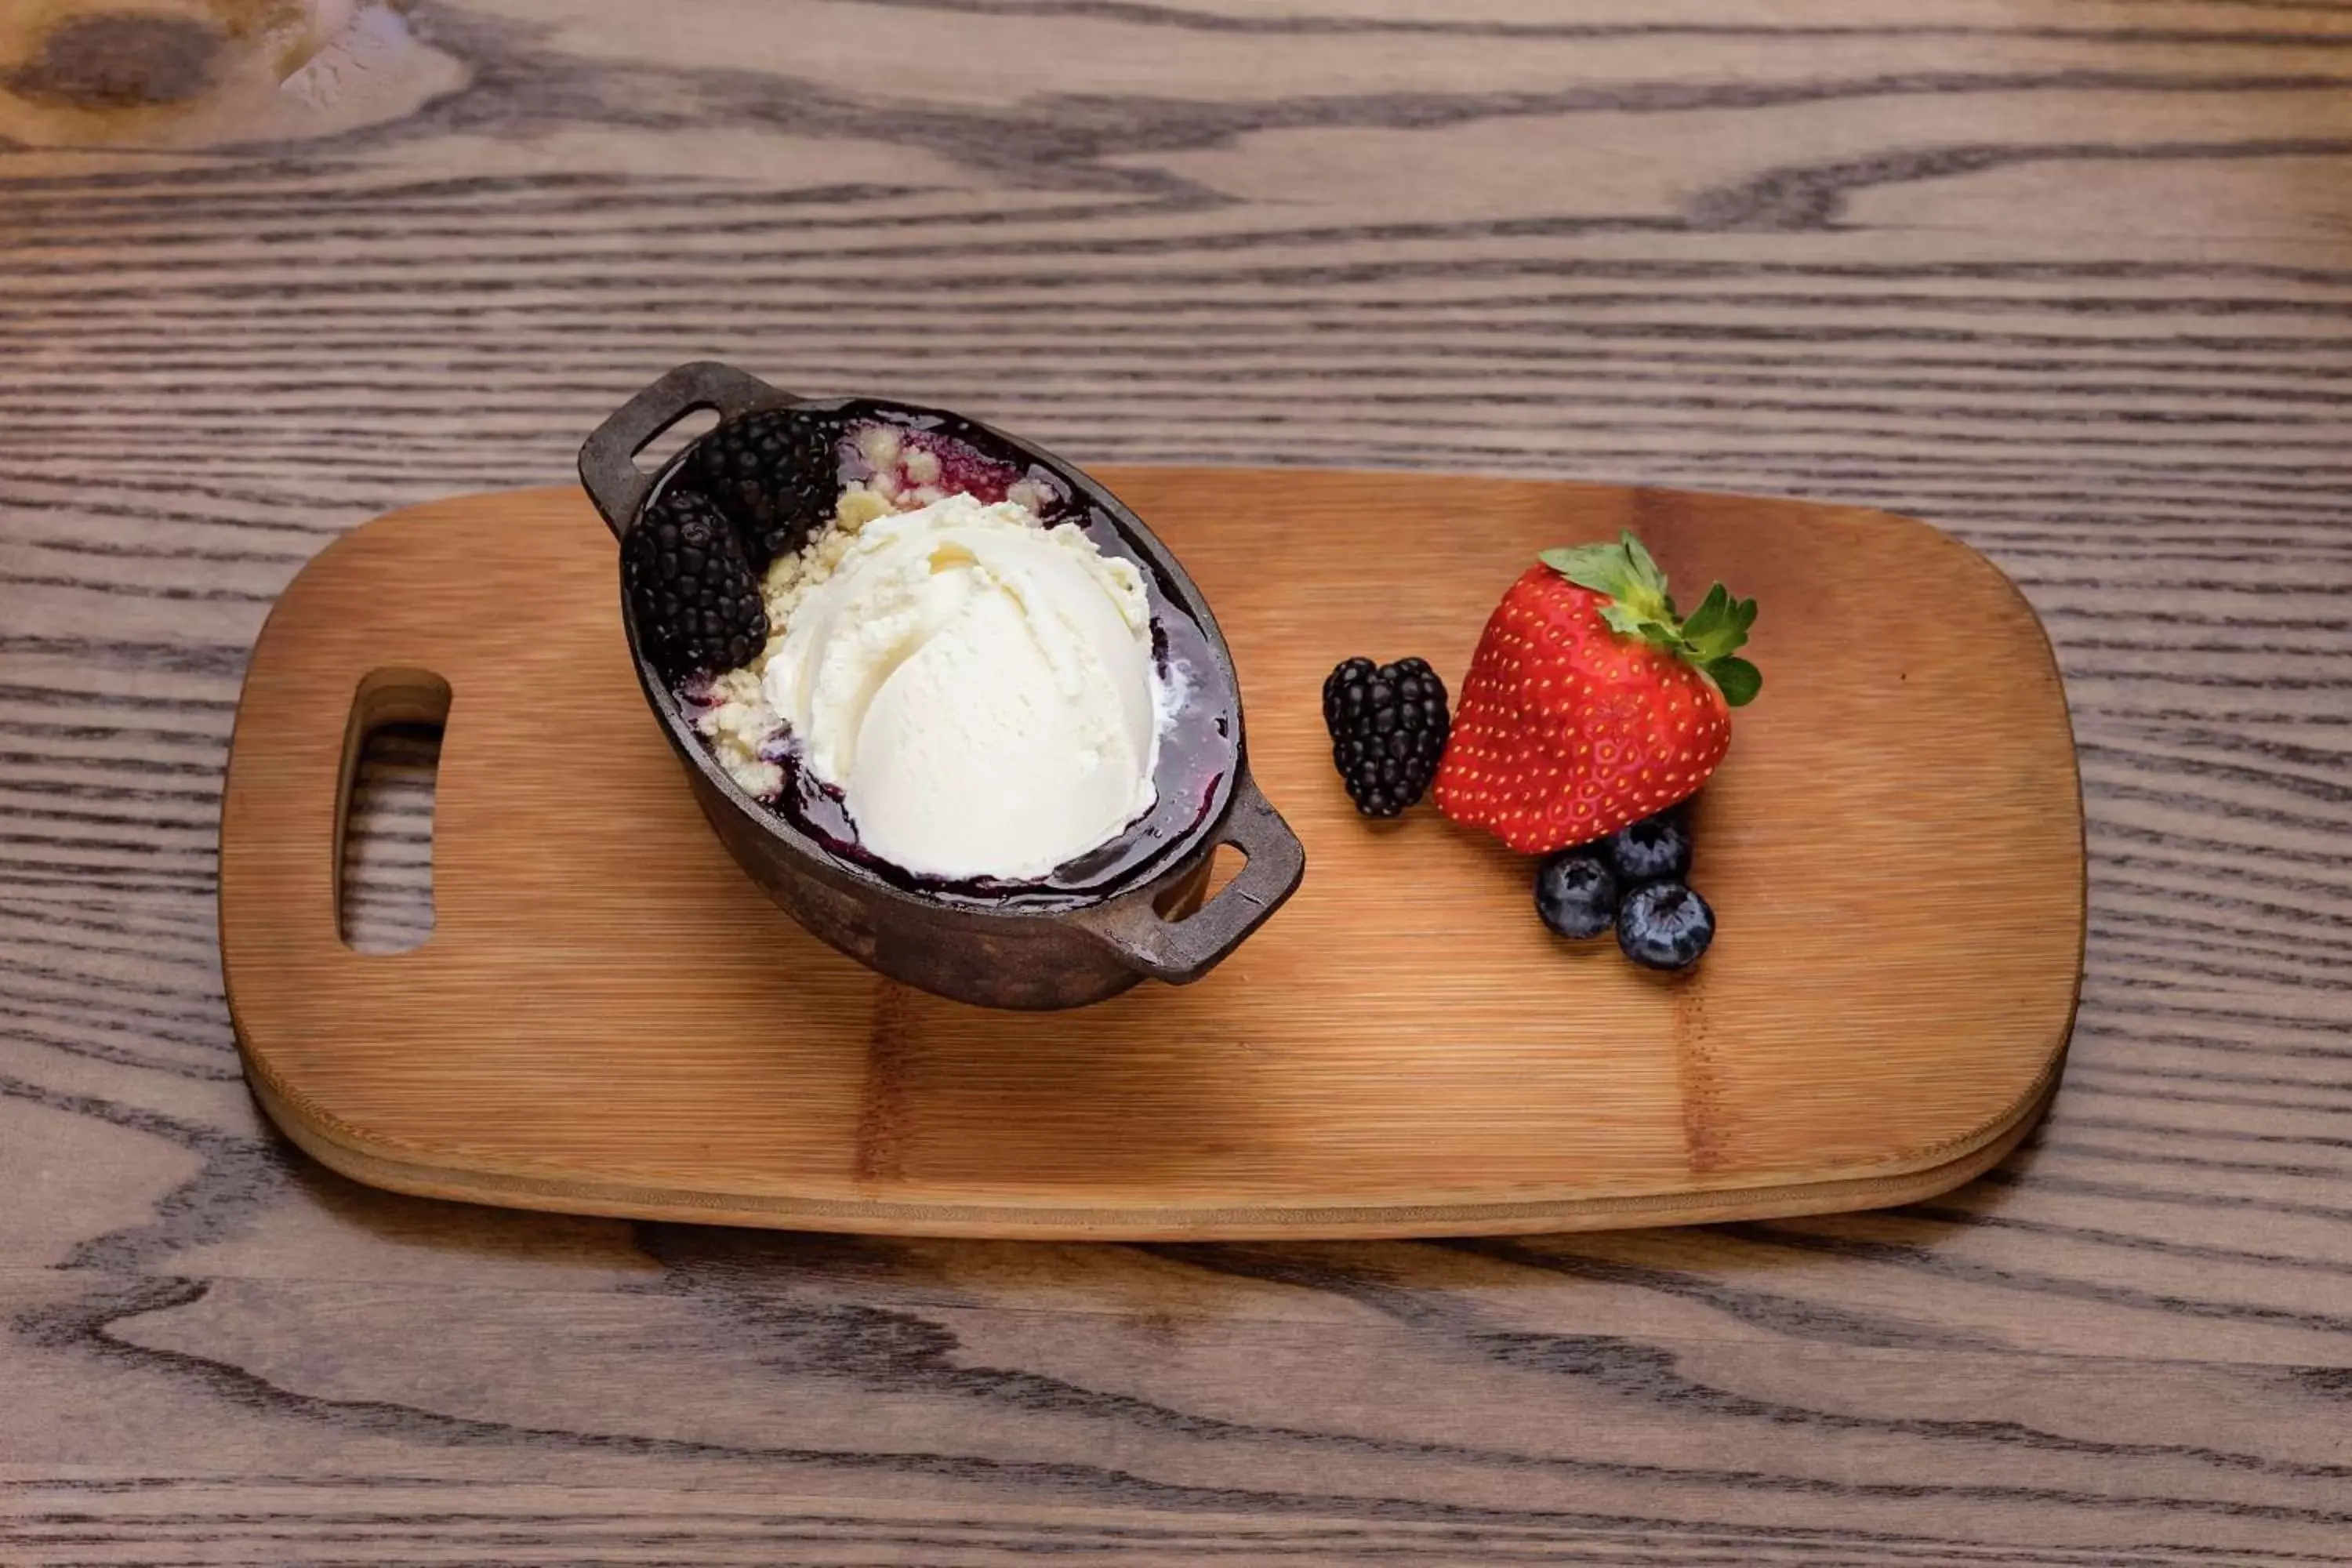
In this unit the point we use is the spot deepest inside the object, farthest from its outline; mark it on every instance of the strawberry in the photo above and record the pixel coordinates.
(1590, 703)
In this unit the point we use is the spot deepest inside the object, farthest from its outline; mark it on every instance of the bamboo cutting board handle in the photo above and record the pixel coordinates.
(302, 748)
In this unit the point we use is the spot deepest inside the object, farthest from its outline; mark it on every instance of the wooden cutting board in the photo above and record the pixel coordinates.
(609, 1017)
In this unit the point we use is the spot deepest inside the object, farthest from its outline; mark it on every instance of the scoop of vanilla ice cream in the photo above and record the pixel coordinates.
(979, 686)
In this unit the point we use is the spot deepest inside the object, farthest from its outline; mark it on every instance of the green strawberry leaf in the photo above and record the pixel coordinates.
(1640, 606)
(1623, 570)
(1642, 563)
(1712, 617)
(1600, 567)
(1719, 627)
(1739, 680)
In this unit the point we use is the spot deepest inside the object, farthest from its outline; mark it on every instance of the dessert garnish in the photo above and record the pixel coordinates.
(1593, 712)
(1576, 892)
(1656, 849)
(1388, 725)
(775, 474)
(699, 604)
(1636, 880)
(1590, 703)
(1664, 925)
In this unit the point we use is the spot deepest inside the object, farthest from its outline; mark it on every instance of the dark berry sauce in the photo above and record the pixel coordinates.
(1199, 749)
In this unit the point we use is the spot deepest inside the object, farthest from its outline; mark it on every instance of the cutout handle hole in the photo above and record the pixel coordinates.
(682, 432)
(384, 880)
(1224, 866)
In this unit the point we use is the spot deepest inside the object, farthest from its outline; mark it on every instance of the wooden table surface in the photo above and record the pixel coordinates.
(2069, 277)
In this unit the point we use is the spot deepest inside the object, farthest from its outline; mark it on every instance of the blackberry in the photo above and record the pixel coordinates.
(1656, 849)
(1664, 925)
(1576, 892)
(776, 475)
(1388, 727)
(697, 603)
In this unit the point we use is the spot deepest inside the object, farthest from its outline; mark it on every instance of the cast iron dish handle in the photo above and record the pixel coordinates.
(1180, 951)
(608, 459)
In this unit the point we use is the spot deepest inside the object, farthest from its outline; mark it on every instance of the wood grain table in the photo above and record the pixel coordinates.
(2073, 279)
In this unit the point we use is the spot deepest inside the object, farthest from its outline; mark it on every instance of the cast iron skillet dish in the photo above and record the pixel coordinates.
(1094, 926)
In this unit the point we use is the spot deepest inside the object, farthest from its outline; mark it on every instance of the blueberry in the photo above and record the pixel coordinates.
(1664, 925)
(1654, 849)
(1576, 893)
